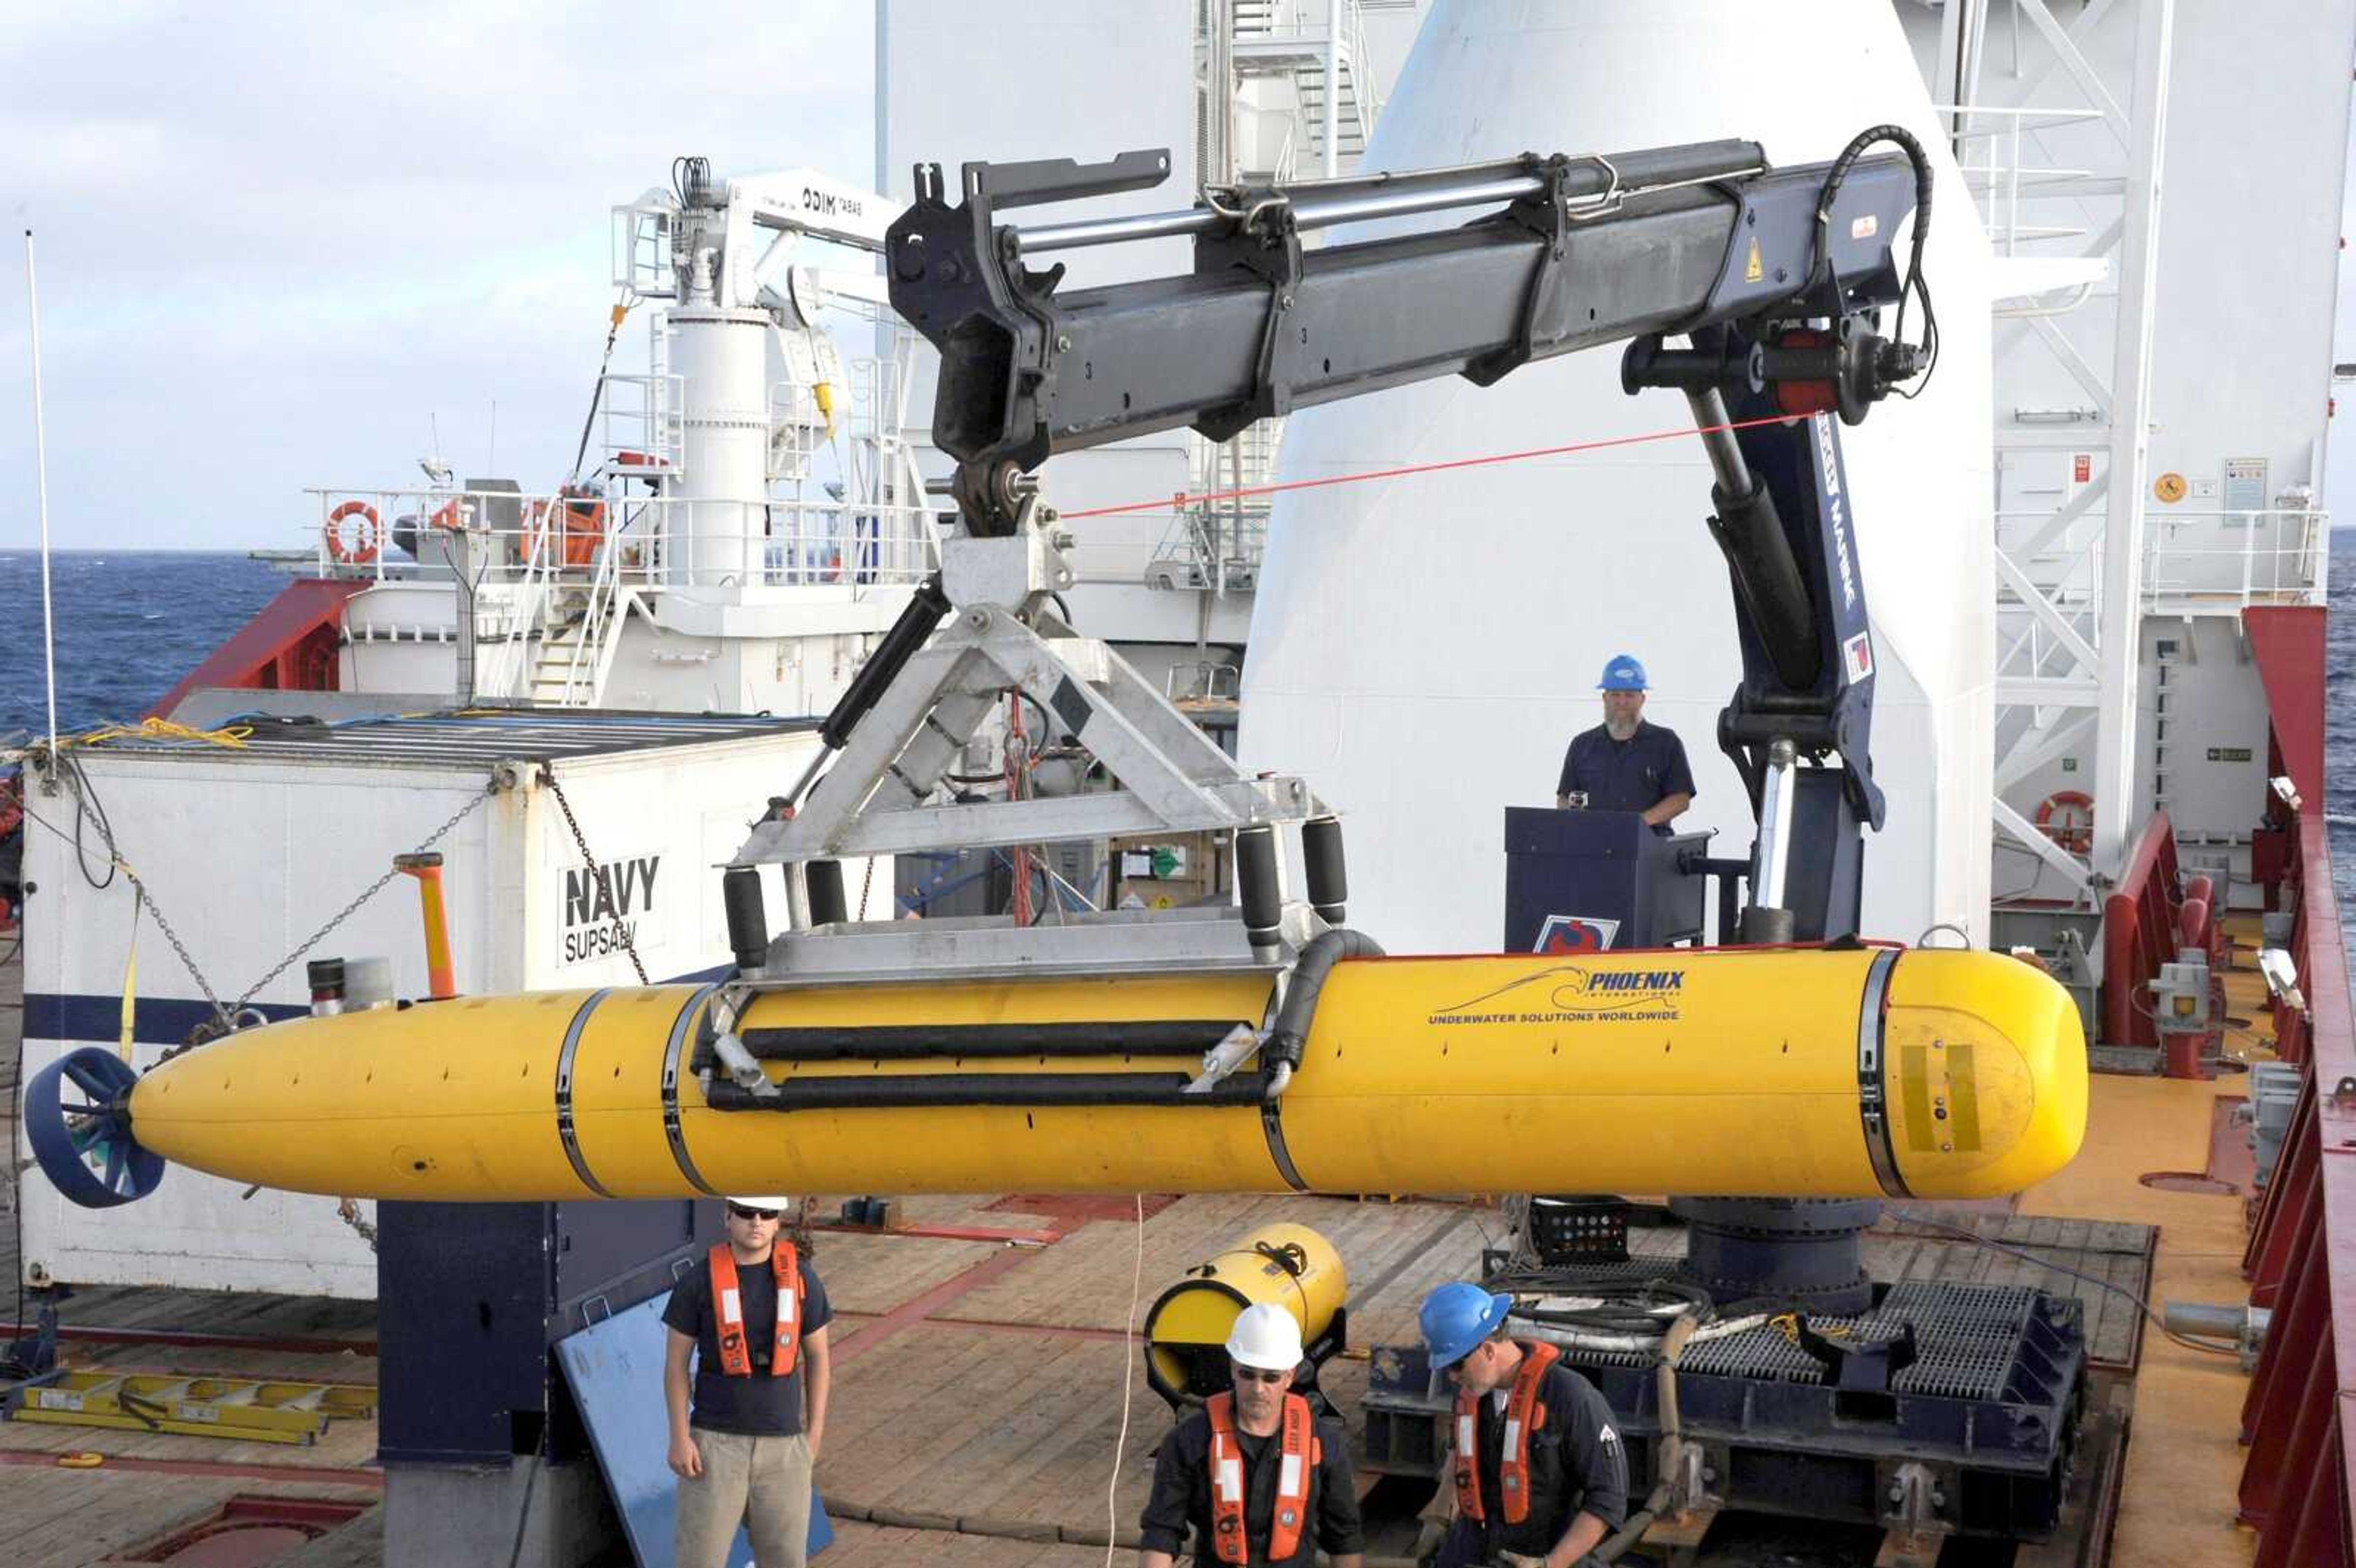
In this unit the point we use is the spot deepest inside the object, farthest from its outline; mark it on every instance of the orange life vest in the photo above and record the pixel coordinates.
(1299, 1455)
(1524, 1415)
(728, 1312)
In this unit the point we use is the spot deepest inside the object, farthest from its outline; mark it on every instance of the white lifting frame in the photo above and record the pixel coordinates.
(876, 797)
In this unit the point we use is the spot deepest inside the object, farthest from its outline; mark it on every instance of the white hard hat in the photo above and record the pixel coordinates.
(1265, 1337)
(779, 1204)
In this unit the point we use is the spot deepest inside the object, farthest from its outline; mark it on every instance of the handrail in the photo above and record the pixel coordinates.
(2142, 920)
(2297, 1482)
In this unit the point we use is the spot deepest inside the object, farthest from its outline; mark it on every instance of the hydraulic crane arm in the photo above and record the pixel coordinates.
(1585, 251)
(1777, 278)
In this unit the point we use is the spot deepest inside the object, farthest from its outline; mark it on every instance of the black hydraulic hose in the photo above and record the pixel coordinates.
(1021, 1091)
(905, 1042)
(1290, 1037)
(1667, 1448)
(1915, 285)
(926, 609)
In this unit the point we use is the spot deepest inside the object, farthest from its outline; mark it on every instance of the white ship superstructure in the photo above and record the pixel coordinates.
(748, 519)
(2160, 403)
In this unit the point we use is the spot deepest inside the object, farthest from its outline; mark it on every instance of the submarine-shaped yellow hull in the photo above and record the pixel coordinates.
(1805, 1073)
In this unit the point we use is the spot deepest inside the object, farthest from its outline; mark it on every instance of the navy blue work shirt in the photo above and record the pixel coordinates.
(759, 1405)
(1633, 774)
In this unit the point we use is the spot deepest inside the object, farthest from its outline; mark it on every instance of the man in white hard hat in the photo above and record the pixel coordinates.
(755, 1318)
(1253, 1474)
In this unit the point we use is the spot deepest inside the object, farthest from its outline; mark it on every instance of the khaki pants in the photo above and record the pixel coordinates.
(761, 1483)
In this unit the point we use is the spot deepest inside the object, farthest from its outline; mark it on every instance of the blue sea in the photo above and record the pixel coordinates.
(130, 623)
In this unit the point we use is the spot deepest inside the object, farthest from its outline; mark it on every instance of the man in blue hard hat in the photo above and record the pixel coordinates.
(1257, 1479)
(1539, 1470)
(1624, 764)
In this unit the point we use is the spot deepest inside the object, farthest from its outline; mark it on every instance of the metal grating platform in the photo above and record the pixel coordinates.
(1988, 1410)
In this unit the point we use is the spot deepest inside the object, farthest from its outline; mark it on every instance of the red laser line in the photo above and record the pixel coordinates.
(1183, 499)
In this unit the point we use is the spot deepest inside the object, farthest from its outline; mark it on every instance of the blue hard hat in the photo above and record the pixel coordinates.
(1622, 674)
(1457, 1317)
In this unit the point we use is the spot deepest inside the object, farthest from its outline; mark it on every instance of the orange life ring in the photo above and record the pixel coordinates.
(2073, 833)
(368, 538)
(445, 516)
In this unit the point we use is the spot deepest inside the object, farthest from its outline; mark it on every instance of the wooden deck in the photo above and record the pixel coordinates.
(981, 1385)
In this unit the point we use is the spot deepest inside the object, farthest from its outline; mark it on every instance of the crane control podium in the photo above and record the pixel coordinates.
(1582, 882)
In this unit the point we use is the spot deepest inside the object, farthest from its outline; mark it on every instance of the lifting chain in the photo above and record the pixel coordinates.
(348, 1209)
(226, 1019)
(629, 943)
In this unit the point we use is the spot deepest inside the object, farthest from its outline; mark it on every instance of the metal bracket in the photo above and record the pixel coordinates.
(742, 1068)
(1548, 215)
(1267, 243)
(1222, 1060)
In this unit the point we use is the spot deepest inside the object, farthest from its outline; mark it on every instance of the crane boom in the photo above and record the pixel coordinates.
(1582, 252)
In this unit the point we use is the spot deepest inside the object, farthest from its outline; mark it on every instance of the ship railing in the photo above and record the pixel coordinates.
(2221, 561)
(641, 248)
(2296, 1486)
(515, 542)
(2142, 929)
(515, 619)
(576, 664)
(638, 424)
(1994, 145)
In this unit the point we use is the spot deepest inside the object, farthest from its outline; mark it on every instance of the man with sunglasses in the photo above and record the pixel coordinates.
(755, 1318)
(1540, 1475)
(1253, 1474)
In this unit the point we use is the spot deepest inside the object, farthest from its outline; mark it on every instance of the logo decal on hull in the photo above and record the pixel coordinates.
(1572, 993)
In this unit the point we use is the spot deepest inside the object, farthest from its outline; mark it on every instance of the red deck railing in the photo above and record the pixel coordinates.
(2155, 913)
(2301, 1260)
(2140, 925)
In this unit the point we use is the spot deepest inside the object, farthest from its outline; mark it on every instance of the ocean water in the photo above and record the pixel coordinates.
(131, 624)
(2339, 724)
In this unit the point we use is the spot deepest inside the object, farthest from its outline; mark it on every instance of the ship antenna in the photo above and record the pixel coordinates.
(41, 479)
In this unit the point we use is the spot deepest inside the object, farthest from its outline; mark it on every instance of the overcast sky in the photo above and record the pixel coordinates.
(275, 242)
(278, 242)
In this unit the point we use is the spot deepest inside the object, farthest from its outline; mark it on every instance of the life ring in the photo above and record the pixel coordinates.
(368, 538)
(2067, 817)
(445, 517)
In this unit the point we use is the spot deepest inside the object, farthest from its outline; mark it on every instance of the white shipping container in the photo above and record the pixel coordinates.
(247, 853)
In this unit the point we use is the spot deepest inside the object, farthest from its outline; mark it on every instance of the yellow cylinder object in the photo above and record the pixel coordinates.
(1772, 1073)
(1285, 1265)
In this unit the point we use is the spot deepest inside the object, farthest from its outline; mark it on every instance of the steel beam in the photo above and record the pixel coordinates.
(2068, 866)
(2115, 738)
